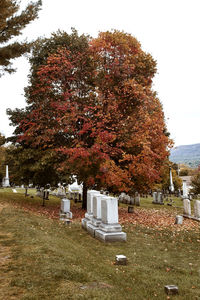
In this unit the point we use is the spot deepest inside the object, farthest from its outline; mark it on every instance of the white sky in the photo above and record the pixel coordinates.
(168, 29)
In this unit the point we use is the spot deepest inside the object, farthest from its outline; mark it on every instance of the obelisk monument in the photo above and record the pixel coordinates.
(6, 179)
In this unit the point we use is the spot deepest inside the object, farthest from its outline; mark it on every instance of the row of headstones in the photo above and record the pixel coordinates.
(187, 209)
(101, 219)
(158, 198)
(124, 198)
(61, 193)
(42, 193)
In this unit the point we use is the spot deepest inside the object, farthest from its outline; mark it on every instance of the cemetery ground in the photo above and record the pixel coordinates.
(41, 258)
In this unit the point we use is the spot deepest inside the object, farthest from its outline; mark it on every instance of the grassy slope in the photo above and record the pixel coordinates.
(52, 261)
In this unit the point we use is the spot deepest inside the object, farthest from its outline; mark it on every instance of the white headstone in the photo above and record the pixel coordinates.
(187, 207)
(155, 197)
(97, 206)
(65, 205)
(89, 213)
(185, 189)
(137, 199)
(5, 181)
(96, 220)
(197, 209)
(90, 195)
(160, 198)
(110, 230)
(109, 210)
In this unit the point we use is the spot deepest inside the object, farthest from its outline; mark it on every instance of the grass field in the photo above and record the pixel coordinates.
(40, 258)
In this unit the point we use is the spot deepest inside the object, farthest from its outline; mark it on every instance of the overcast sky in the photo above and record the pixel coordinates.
(168, 29)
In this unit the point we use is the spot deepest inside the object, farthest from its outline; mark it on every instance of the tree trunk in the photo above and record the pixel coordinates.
(84, 202)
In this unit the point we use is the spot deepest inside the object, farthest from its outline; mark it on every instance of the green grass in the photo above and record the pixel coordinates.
(49, 260)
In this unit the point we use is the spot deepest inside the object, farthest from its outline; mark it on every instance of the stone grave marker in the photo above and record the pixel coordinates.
(89, 213)
(137, 199)
(109, 229)
(197, 209)
(155, 197)
(96, 219)
(120, 259)
(187, 208)
(179, 220)
(65, 212)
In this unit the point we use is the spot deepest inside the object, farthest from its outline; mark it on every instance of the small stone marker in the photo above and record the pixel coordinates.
(120, 260)
(65, 213)
(171, 289)
(130, 209)
(179, 219)
(14, 190)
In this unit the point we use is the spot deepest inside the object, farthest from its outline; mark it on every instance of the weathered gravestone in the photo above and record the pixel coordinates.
(179, 220)
(137, 199)
(158, 198)
(155, 197)
(109, 229)
(61, 193)
(185, 189)
(197, 210)
(186, 208)
(89, 213)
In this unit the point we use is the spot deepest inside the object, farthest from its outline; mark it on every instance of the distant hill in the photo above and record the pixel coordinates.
(188, 155)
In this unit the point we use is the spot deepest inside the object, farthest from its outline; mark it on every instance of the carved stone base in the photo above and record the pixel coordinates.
(110, 236)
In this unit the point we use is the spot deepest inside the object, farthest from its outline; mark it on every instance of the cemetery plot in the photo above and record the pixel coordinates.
(57, 260)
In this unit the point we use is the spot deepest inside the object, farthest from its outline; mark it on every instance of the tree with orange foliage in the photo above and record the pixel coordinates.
(95, 107)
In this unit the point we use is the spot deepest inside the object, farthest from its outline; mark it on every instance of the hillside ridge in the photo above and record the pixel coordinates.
(186, 154)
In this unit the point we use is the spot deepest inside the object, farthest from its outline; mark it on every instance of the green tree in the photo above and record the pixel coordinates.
(12, 22)
(195, 183)
(28, 165)
(165, 177)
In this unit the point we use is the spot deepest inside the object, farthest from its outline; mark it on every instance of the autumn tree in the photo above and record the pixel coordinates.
(91, 102)
(12, 22)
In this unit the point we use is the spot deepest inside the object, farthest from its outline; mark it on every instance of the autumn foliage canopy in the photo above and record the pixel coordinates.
(93, 105)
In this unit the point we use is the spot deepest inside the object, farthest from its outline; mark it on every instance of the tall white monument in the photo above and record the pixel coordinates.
(171, 187)
(185, 189)
(6, 182)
